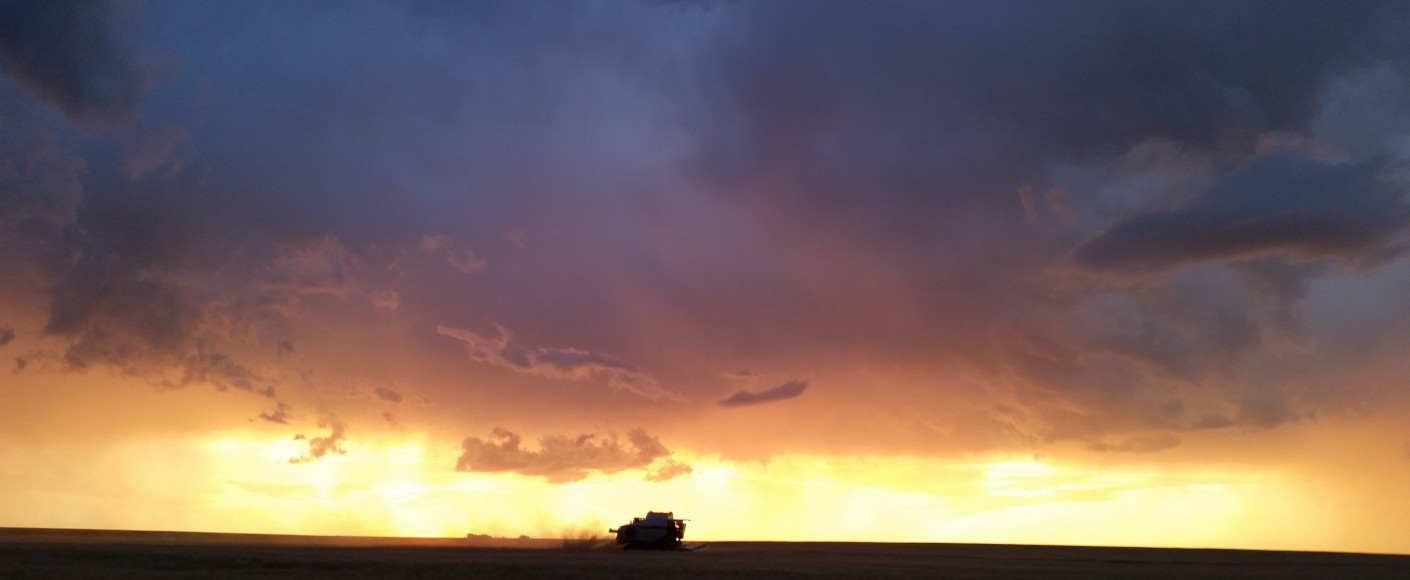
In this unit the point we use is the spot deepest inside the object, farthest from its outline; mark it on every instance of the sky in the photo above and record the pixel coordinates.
(1084, 272)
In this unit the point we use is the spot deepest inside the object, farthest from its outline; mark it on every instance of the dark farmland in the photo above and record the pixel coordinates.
(28, 553)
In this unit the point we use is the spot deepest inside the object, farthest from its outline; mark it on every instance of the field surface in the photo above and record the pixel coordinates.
(29, 553)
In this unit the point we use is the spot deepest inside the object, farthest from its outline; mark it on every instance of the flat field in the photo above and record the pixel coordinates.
(30, 553)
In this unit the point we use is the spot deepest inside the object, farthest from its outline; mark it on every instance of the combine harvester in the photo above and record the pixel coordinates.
(656, 531)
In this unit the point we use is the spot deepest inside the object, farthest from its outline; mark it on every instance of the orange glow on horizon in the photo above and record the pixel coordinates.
(403, 486)
(1279, 489)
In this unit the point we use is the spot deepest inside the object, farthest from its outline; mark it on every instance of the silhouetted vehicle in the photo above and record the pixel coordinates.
(658, 530)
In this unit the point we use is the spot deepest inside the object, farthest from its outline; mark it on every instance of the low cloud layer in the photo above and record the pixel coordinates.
(782, 392)
(561, 459)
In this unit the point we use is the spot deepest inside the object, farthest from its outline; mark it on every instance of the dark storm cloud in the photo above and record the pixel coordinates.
(562, 459)
(67, 53)
(119, 255)
(116, 306)
(39, 181)
(154, 282)
(560, 364)
(915, 126)
(782, 392)
(330, 444)
(926, 106)
(906, 182)
(1277, 204)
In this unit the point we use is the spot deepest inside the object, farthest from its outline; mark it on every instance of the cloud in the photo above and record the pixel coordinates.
(1030, 205)
(224, 373)
(721, 189)
(1018, 90)
(386, 299)
(323, 265)
(559, 364)
(1150, 443)
(1270, 407)
(280, 414)
(1057, 202)
(129, 299)
(67, 54)
(1279, 204)
(458, 257)
(668, 470)
(782, 392)
(40, 183)
(7, 334)
(388, 395)
(183, 312)
(320, 447)
(562, 459)
(1212, 421)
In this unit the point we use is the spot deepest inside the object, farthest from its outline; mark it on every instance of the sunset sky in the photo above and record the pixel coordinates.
(1112, 273)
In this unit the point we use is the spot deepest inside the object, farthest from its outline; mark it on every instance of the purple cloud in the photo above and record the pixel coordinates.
(782, 392)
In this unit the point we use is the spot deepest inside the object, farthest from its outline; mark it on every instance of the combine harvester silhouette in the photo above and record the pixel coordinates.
(656, 531)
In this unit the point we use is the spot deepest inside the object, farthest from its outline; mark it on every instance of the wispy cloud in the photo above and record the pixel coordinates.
(459, 257)
(387, 395)
(560, 364)
(782, 392)
(668, 470)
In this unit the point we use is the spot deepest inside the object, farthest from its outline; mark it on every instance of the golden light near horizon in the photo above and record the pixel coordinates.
(401, 487)
(403, 484)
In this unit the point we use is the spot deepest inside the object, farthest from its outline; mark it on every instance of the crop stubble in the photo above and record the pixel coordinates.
(149, 557)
